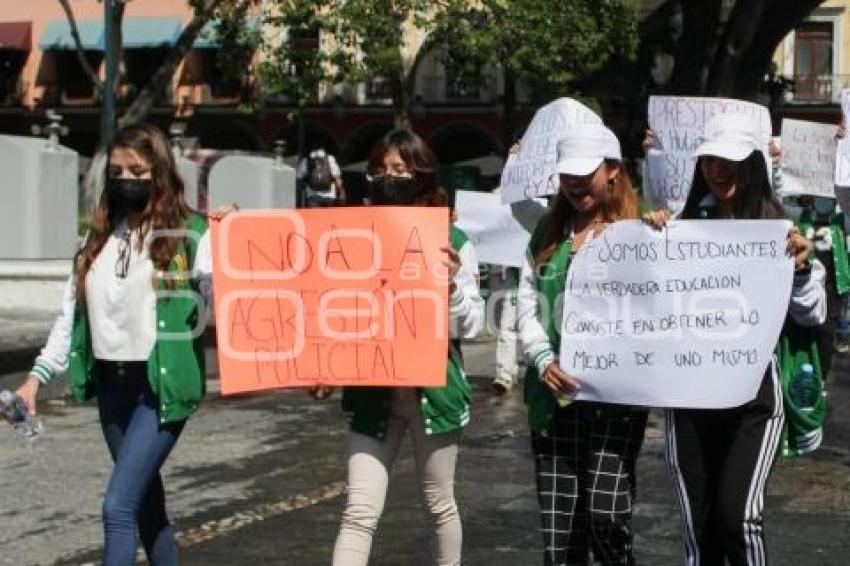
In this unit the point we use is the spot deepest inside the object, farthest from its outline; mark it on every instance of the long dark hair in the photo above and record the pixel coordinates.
(166, 210)
(753, 199)
(420, 161)
(620, 204)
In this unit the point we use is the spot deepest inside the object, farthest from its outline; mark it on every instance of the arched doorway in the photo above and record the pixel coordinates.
(360, 144)
(230, 135)
(460, 142)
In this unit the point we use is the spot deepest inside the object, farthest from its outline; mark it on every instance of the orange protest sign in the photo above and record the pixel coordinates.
(346, 296)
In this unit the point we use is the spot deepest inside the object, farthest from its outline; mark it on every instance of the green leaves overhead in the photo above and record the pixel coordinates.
(551, 46)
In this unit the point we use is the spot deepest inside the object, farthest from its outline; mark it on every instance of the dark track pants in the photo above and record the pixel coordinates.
(720, 461)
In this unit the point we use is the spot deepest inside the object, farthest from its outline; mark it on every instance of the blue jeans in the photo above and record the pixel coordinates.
(139, 445)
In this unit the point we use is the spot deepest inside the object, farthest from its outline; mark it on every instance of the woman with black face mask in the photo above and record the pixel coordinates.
(126, 333)
(403, 172)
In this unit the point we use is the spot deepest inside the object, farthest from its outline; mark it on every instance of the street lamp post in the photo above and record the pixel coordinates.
(300, 197)
(107, 111)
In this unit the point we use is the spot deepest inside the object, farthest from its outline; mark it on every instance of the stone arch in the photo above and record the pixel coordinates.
(462, 141)
(231, 134)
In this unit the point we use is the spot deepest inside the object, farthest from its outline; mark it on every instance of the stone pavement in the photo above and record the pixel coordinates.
(259, 479)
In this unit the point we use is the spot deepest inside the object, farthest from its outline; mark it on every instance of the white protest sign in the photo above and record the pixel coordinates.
(497, 236)
(531, 172)
(808, 158)
(842, 151)
(679, 126)
(686, 316)
(842, 163)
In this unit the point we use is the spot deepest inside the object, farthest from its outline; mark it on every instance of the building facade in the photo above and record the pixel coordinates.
(816, 57)
(41, 71)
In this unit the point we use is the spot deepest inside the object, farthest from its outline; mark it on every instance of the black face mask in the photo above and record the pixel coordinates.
(128, 195)
(393, 190)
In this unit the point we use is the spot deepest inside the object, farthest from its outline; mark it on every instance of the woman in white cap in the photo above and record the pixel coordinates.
(720, 459)
(584, 452)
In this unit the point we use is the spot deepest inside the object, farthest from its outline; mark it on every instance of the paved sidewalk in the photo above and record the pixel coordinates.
(259, 479)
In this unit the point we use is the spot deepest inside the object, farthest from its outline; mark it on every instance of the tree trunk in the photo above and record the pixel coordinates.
(118, 41)
(401, 89)
(783, 19)
(511, 134)
(78, 45)
(700, 22)
(143, 103)
(740, 31)
(658, 19)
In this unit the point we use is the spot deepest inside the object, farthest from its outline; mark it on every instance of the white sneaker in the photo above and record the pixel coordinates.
(503, 384)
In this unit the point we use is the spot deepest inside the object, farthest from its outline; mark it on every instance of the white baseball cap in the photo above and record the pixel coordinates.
(584, 148)
(732, 136)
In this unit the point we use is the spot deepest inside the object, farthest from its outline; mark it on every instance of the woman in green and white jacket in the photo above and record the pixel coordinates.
(403, 172)
(584, 451)
(132, 312)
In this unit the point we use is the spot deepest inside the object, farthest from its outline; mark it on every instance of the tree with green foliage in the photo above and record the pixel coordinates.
(362, 41)
(231, 16)
(551, 47)
(371, 43)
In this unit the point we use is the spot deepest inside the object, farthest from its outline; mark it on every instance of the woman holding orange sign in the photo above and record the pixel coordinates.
(402, 171)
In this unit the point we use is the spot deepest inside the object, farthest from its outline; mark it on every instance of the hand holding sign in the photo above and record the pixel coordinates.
(799, 247)
(357, 297)
(530, 172)
(452, 264)
(687, 316)
(558, 381)
(678, 126)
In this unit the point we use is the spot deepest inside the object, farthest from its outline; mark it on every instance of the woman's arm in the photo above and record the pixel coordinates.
(808, 296)
(466, 307)
(532, 334)
(53, 358)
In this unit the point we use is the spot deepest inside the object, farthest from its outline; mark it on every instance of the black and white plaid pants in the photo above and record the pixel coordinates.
(586, 482)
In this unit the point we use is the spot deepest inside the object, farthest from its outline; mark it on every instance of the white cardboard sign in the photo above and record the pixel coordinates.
(686, 316)
(679, 125)
(842, 154)
(494, 231)
(531, 173)
(808, 158)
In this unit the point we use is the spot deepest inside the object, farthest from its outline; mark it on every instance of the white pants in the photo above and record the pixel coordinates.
(503, 287)
(369, 464)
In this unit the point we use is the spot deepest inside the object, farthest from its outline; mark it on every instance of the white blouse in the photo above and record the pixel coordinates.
(122, 309)
(121, 312)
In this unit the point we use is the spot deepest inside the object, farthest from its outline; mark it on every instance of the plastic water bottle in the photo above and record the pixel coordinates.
(14, 411)
(805, 389)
